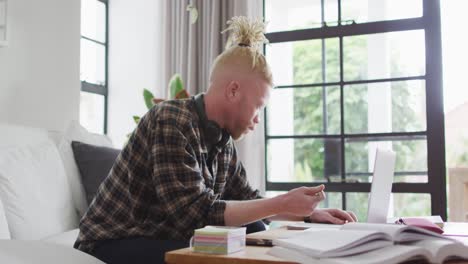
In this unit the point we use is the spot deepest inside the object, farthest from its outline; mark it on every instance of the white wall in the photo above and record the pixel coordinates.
(134, 62)
(39, 70)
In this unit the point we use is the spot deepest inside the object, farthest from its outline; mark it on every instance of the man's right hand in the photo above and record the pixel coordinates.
(294, 204)
(302, 201)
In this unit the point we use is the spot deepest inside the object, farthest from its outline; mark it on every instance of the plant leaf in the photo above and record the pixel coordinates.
(193, 13)
(136, 119)
(148, 96)
(175, 86)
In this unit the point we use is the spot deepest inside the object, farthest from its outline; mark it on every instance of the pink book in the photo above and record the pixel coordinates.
(420, 222)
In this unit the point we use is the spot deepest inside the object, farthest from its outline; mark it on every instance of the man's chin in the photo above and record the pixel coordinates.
(238, 138)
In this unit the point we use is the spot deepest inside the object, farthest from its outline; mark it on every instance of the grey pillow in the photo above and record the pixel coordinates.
(94, 164)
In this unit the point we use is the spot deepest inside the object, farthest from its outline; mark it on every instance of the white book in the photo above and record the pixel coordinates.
(353, 238)
(433, 250)
(398, 233)
(334, 243)
(304, 226)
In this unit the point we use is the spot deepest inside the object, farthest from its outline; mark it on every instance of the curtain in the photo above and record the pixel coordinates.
(190, 49)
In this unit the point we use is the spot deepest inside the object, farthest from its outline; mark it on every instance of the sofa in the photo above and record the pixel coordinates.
(42, 196)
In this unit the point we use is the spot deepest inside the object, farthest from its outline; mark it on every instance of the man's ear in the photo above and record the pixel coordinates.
(232, 91)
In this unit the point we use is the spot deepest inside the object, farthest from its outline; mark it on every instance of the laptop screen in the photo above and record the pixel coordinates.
(381, 187)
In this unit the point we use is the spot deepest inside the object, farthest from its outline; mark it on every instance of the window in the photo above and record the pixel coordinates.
(3, 23)
(93, 65)
(351, 76)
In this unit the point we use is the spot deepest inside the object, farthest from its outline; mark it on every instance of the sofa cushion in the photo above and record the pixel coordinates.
(78, 133)
(35, 191)
(4, 231)
(94, 163)
(27, 252)
(15, 135)
(66, 238)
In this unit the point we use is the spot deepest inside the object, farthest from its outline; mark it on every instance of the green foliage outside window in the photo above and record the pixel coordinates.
(308, 116)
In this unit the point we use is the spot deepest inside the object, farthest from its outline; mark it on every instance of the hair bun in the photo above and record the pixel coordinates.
(245, 32)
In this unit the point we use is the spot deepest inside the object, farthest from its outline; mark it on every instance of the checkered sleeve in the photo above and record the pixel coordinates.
(237, 186)
(178, 180)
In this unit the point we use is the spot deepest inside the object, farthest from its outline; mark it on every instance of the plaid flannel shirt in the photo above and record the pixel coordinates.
(160, 185)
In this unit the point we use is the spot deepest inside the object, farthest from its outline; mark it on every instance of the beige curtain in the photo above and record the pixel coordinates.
(189, 49)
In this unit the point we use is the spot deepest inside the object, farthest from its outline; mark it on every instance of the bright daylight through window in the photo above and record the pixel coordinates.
(93, 65)
(351, 76)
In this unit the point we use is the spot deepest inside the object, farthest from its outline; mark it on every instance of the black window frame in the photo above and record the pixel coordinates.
(101, 89)
(436, 174)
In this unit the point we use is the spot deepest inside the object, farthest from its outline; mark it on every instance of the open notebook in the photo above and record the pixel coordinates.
(354, 238)
(359, 243)
(433, 251)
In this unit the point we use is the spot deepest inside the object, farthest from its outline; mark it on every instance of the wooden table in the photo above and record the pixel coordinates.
(258, 255)
(251, 255)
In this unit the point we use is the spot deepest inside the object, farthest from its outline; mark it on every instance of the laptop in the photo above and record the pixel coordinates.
(379, 200)
(381, 187)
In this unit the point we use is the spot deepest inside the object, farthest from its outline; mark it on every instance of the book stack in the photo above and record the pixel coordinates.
(219, 239)
(365, 243)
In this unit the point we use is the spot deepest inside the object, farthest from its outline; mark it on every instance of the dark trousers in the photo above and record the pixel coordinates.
(146, 250)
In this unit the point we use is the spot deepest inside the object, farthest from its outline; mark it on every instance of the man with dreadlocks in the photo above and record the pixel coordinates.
(180, 170)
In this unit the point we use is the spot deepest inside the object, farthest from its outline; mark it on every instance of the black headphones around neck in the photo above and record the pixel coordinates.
(213, 132)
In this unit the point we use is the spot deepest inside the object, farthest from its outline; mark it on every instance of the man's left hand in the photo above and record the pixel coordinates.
(332, 216)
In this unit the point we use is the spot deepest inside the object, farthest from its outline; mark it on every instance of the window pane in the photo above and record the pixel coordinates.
(372, 10)
(301, 62)
(301, 111)
(303, 160)
(411, 204)
(385, 55)
(92, 66)
(92, 112)
(411, 156)
(401, 204)
(415, 177)
(385, 107)
(401, 177)
(298, 14)
(358, 204)
(332, 200)
(93, 20)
